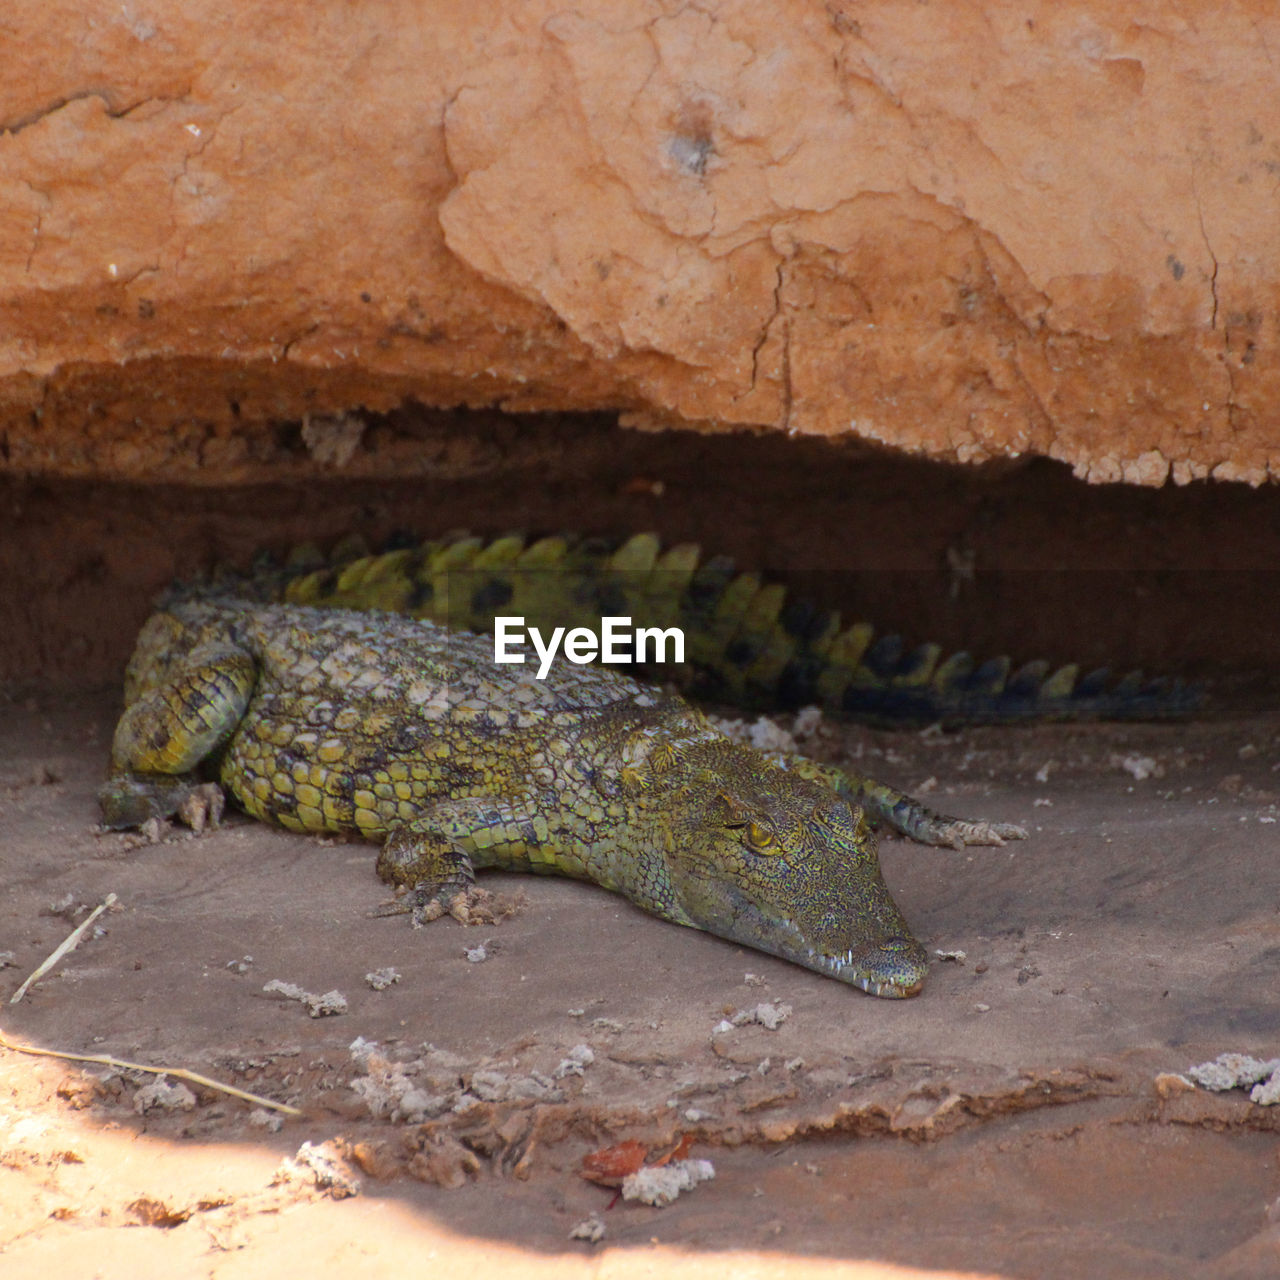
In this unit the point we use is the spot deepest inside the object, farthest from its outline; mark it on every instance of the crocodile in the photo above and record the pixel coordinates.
(408, 734)
(750, 643)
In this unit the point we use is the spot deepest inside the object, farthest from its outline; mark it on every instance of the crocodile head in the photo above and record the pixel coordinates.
(783, 864)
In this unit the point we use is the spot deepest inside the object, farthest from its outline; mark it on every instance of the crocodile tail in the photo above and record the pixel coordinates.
(752, 645)
(746, 642)
(466, 582)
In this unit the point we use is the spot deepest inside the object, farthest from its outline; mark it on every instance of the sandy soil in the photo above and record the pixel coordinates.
(1008, 1122)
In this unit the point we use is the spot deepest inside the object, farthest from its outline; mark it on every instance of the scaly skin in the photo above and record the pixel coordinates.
(748, 644)
(331, 720)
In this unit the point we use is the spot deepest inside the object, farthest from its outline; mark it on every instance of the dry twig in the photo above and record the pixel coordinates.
(69, 943)
(178, 1073)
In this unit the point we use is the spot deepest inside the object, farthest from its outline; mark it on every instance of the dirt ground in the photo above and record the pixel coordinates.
(1022, 1118)
(1007, 1122)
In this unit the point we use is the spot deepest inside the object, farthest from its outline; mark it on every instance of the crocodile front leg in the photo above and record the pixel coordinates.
(435, 856)
(904, 814)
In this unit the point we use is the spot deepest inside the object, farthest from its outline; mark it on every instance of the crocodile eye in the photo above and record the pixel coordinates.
(759, 839)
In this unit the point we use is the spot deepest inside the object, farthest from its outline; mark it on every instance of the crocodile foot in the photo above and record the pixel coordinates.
(958, 832)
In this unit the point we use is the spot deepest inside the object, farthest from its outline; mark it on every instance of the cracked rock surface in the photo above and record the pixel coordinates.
(973, 235)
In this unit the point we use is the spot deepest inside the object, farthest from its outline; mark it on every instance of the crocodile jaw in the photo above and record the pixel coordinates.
(892, 968)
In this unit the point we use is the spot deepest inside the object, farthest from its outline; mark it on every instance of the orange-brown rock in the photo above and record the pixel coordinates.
(964, 231)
